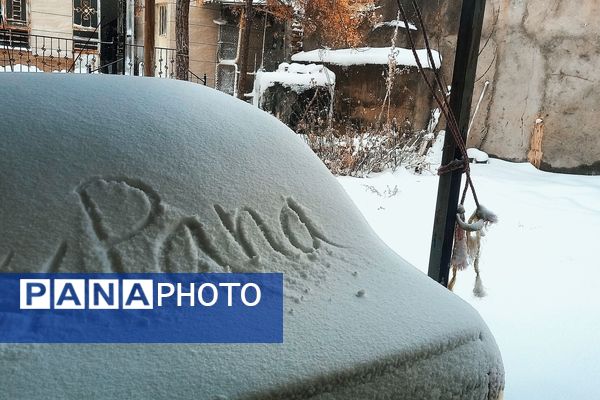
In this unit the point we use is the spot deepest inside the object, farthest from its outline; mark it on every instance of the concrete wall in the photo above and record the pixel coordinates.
(360, 92)
(545, 65)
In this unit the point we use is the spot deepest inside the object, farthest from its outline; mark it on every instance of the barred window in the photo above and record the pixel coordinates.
(162, 20)
(85, 14)
(16, 11)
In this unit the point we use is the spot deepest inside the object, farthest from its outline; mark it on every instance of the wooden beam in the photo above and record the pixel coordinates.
(149, 26)
(463, 80)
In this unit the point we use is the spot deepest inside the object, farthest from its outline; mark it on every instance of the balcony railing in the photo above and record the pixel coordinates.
(24, 52)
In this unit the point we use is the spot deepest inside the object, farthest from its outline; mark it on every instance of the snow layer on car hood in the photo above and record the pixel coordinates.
(104, 184)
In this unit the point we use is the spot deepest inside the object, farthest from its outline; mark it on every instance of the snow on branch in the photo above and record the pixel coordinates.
(395, 23)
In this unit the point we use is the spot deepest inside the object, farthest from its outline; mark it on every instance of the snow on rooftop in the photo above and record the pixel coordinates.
(297, 77)
(367, 56)
(395, 23)
(241, 2)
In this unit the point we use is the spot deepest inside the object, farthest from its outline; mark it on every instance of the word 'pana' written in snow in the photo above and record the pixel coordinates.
(120, 209)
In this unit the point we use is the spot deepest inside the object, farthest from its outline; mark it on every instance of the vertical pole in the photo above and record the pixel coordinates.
(149, 24)
(247, 19)
(122, 36)
(182, 39)
(463, 80)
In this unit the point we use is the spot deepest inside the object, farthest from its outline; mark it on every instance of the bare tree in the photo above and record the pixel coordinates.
(182, 39)
(149, 21)
(246, 21)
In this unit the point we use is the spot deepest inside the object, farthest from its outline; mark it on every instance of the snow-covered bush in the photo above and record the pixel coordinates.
(356, 152)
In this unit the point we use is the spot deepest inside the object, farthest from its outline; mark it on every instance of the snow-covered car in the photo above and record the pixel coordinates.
(95, 173)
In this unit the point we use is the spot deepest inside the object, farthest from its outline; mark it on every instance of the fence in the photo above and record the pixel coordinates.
(24, 52)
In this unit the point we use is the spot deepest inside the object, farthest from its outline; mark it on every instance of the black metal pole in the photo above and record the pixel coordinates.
(463, 80)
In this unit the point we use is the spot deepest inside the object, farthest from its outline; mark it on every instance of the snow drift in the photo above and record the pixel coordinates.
(103, 184)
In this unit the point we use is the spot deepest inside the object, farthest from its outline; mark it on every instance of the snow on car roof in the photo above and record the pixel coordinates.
(151, 152)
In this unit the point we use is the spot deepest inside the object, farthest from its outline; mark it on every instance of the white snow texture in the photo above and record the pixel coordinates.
(297, 77)
(477, 155)
(119, 182)
(368, 55)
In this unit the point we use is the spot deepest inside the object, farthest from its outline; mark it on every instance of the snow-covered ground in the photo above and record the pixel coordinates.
(540, 266)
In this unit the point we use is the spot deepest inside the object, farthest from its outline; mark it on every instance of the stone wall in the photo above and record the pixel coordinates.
(545, 65)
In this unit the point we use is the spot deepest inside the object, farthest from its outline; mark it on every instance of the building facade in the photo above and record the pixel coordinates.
(107, 36)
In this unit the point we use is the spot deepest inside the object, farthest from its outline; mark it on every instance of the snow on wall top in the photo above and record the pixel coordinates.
(150, 154)
(298, 77)
(367, 55)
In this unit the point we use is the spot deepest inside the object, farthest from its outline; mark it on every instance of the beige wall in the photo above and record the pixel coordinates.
(48, 20)
(51, 18)
(543, 60)
(204, 34)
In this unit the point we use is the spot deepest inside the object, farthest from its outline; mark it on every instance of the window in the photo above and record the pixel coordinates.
(226, 77)
(228, 42)
(85, 14)
(85, 25)
(162, 20)
(13, 38)
(16, 11)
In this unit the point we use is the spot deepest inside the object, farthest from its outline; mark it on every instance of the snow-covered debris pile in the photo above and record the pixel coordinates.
(297, 77)
(368, 55)
(477, 155)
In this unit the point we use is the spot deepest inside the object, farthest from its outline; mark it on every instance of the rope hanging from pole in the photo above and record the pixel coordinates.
(440, 100)
(467, 233)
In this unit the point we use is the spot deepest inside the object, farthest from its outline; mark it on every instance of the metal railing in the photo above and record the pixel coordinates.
(192, 77)
(24, 52)
(164, 61)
